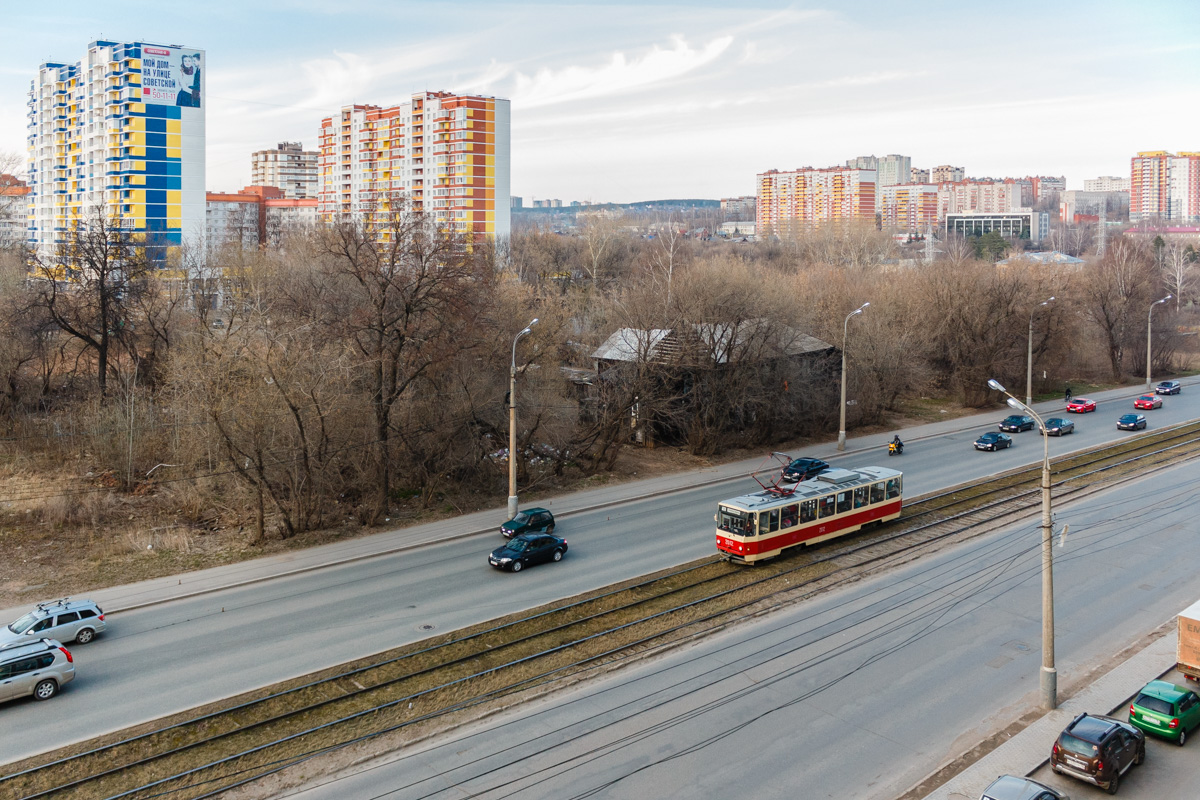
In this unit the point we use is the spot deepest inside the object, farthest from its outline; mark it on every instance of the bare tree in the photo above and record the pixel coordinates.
(91, 284)
(404, 296)
(600, 237)
(1179, 272)
(1114, 293)
(670, 249)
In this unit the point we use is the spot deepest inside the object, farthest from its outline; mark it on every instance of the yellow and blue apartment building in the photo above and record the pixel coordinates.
(119, 133)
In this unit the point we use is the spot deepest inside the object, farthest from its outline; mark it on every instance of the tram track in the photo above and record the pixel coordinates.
(417, 691)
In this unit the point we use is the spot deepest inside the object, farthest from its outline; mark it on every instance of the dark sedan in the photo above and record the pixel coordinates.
(803, 468)
(1057, 426)
(1131, 422)
(993, 441)
(1168, 387)
(1016, 423)
(526, 550)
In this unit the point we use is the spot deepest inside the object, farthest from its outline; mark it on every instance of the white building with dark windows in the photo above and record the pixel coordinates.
(288, 167)
(1021, 224)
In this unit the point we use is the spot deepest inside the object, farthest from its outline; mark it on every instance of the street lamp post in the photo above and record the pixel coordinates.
(1029, 358)
(1149, 319)
(1049, 675)
(841, 445)
(512, 424)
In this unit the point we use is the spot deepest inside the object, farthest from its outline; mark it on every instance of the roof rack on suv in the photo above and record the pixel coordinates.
(48, 604)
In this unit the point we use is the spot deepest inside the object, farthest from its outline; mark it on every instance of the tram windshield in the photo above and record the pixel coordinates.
(735, 521)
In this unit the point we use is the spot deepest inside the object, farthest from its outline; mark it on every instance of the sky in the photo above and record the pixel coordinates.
(622, 102)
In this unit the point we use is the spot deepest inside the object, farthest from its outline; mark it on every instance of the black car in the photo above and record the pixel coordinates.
(1057, 426)
(1131, 422)
(1098, 750)
(802, 469)
(993, 441)
(531, 520)
(526, 550)
(1016, 423)
(1168, 387)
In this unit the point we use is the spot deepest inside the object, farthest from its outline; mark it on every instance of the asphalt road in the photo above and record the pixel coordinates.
(859, 693)
(165, 658)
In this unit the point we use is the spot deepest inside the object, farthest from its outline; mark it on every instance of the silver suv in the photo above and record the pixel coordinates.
(66, 620)
(39, 668)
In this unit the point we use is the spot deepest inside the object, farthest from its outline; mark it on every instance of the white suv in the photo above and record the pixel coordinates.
(66, 620)
(39, 668)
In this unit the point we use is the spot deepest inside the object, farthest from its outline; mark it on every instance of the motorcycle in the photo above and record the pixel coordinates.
(895, 448)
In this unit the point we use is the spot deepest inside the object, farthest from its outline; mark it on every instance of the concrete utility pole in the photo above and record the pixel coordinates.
(1149, 341)
(1049, 675)
(841, 445)
(1103, 229)
(1029, 359)
(512, 424)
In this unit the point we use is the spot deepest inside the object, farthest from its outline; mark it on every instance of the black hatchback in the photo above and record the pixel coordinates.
(526, 550)
(531, 520)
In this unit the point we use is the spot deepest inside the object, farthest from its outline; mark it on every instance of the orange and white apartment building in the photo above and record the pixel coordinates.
(1165, 186)
(792, 202)
(448, 154)
(908, 206)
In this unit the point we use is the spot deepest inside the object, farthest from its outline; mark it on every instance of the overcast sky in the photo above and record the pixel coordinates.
(622, 102)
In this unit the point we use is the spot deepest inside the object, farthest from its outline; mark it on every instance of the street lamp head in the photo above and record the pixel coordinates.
(1015, 403)
(535, 320)
(995, 384)
(864, 305)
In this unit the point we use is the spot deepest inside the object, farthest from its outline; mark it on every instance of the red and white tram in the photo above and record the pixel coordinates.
(762, 525)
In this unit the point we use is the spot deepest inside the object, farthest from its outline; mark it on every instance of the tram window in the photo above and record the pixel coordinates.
(843, 501)
(790, 515)
(734, 522)
(893, 488)
(876, 492)
(808, 510)
(861, 497)
(774, 519)
(828, 506)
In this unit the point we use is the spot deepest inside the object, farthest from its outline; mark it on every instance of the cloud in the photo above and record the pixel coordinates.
(620, 75)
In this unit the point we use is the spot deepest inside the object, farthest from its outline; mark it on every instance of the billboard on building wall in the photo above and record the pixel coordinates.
(172, 76)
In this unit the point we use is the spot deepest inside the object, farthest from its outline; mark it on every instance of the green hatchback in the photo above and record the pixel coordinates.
(1166, 710)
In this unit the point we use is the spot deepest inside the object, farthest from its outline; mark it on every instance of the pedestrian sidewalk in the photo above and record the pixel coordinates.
(160, 590)
(1026, 752)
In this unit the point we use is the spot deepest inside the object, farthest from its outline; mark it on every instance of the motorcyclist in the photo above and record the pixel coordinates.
(897, 445)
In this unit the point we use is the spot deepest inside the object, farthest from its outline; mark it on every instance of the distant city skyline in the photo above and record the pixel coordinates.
(622, 102)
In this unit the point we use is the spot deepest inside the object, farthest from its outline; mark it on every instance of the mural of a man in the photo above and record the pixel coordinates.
(189, 88)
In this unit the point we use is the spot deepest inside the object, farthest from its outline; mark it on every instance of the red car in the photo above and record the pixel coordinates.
(1080, 405)
(1148, 401)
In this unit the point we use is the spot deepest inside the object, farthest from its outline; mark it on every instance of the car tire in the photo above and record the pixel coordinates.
(1140, 756)
(1114, 784)
(557, 555)
(1182, 737)
(45, 689)
(516, 566)
(550, 528)
(84, 636)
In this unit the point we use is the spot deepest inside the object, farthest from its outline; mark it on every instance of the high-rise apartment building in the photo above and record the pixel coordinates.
(119, 133)
(907, 206)
(1165, 186)
(447, 154)
(893, 170)
(985, 196)
(1106, 183)
(863, 162)
(1044, 186)
(947, 174)
(288, 167)
(791, 202)
(256, 215)
(918, 175)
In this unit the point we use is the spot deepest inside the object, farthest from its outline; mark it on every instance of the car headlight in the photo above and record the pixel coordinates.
(505, 560)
